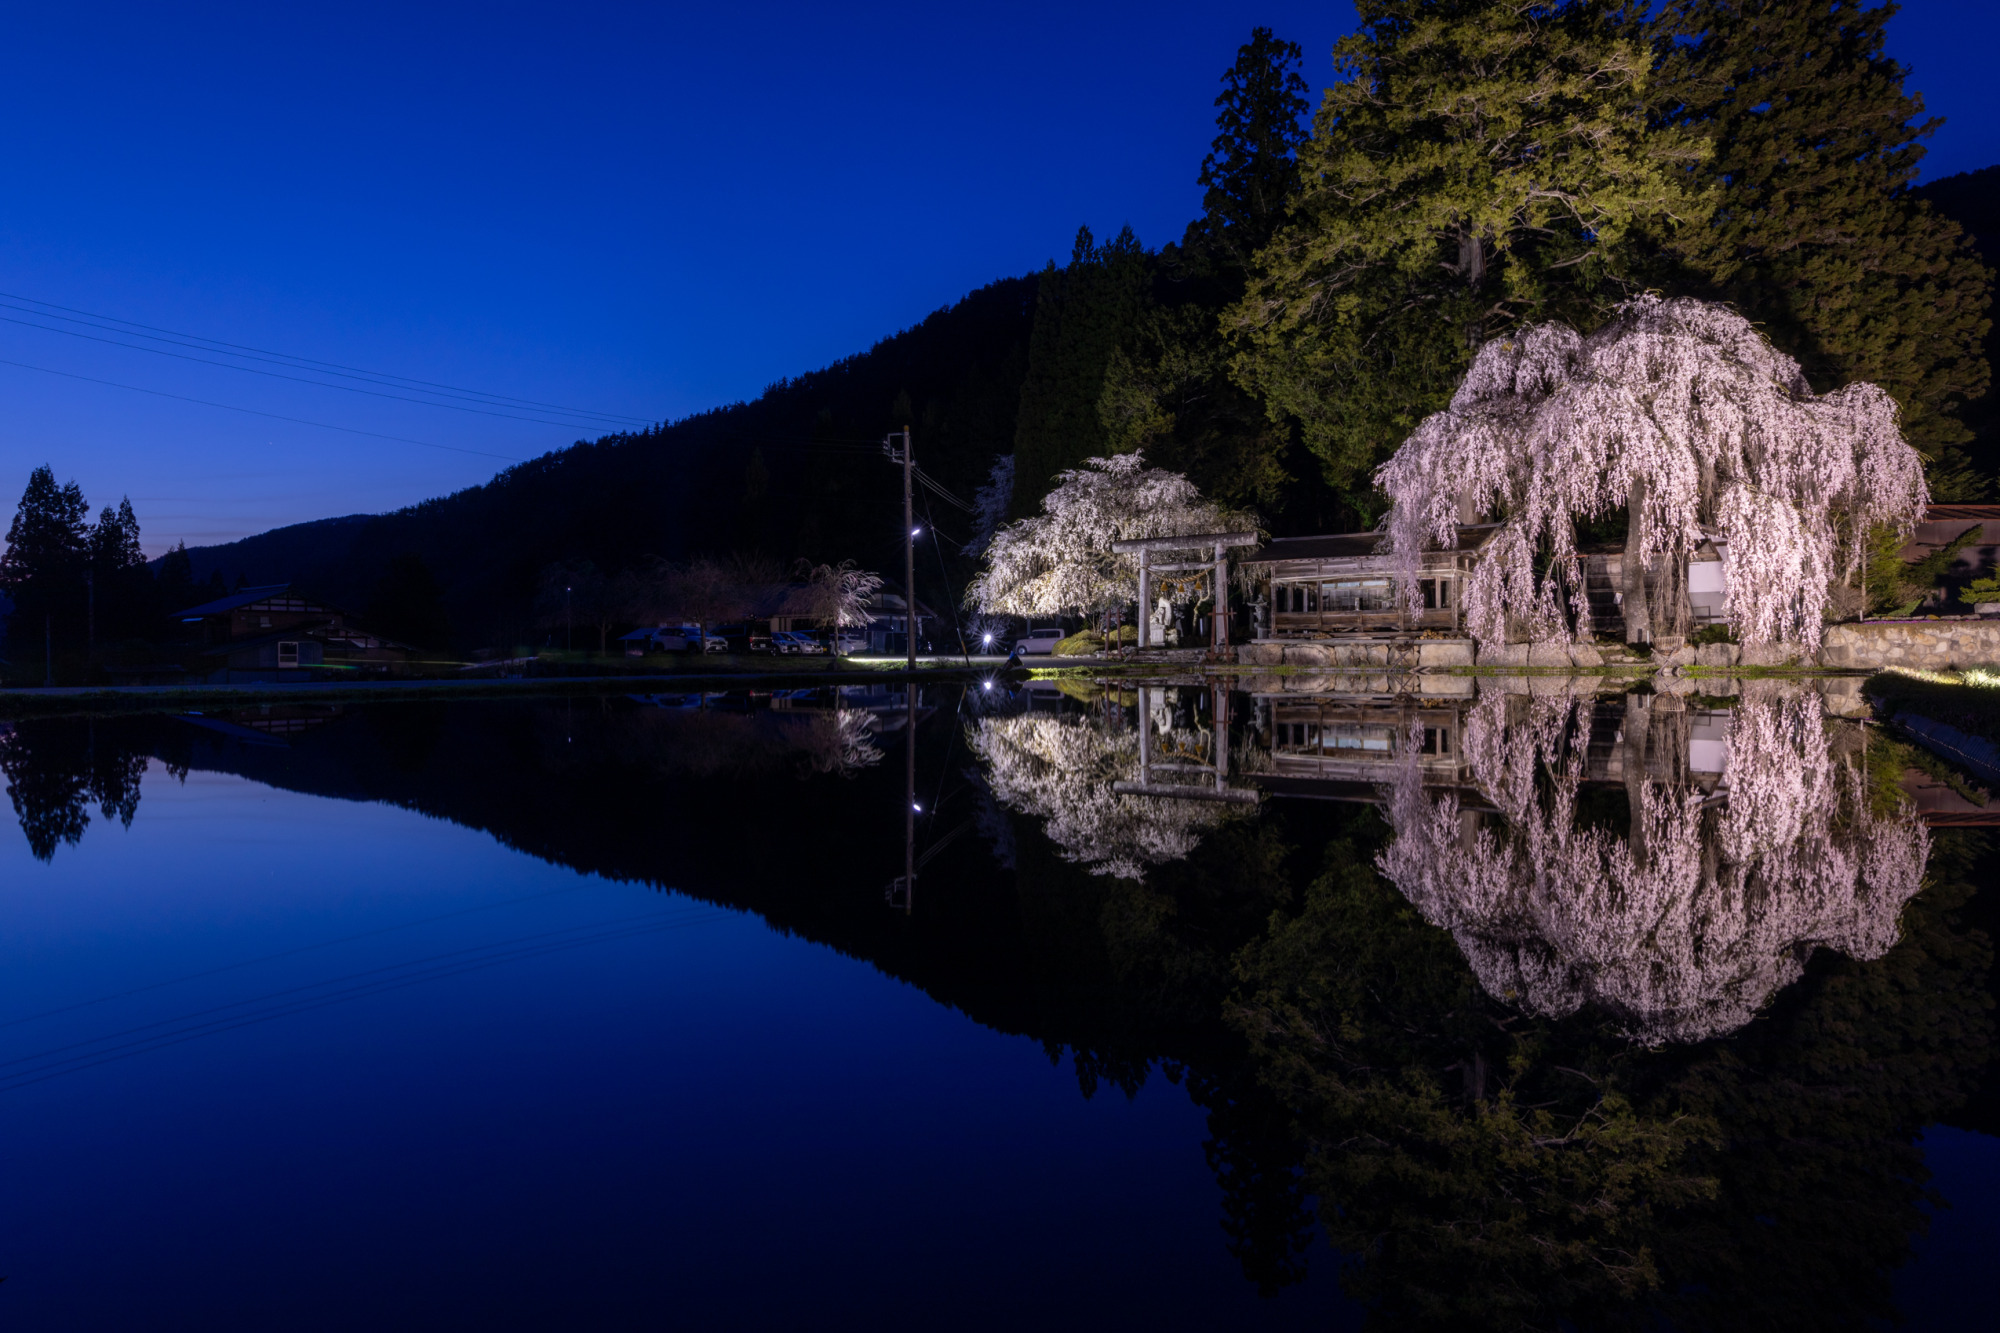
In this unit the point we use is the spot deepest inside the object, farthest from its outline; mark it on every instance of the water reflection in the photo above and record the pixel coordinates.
(1674, 864)
(1117, 793)
(1548, 1006)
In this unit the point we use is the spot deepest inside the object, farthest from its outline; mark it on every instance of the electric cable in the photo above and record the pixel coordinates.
(274, 416)
(298, 379)
(194, 339)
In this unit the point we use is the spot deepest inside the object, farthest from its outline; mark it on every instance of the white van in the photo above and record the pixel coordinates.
(1041, 639)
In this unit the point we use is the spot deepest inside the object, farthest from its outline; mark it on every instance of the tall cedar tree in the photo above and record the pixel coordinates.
(1167, 389)
(1817, 235)
(1252, 171)
(47, 552)
(1476, 166)
(1082, 312)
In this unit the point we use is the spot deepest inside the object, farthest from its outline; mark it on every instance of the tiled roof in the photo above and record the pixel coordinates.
(242, 597)
(1339, 545)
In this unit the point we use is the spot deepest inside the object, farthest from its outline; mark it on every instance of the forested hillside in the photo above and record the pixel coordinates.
(799, 472)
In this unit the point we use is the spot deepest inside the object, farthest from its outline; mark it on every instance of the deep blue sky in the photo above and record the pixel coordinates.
(644, 211)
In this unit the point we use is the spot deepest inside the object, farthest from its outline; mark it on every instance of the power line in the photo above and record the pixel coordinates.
(231, 407)
(298, 379)
(262, 353)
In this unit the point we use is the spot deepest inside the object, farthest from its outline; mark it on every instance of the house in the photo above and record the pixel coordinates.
(1345, 583)
(888, 622)
(274, 631)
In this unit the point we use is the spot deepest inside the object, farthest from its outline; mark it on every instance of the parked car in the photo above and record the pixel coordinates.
(669, 639)
(851, 641)
(795, 643)
(1040, 639)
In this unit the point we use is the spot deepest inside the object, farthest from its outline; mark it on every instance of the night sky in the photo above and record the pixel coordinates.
(637, 211)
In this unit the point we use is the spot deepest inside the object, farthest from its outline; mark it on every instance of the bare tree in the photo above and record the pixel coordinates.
(700, 592)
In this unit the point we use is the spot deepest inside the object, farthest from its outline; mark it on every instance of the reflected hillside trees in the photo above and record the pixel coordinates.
(1493, 1169)
(57, 769)
(1709, 901)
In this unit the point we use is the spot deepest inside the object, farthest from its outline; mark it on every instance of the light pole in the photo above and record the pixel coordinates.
(909, 544)
(569, 622)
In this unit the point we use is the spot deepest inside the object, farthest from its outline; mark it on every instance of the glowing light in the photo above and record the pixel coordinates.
(916, 532)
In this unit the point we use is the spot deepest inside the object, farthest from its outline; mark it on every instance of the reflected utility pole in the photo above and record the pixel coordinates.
(910, 799)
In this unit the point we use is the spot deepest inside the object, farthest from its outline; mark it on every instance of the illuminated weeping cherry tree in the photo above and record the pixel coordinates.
(1062, 769)
(1060, 561)
(1708, 907)
(1681, 413)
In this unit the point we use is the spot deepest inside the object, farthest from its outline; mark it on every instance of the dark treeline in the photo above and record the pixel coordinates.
(1474, 168)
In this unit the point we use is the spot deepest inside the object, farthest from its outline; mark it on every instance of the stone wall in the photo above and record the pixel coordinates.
(1934, 645)
(1358, 653)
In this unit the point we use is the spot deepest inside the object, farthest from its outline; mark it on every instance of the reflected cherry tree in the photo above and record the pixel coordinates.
(1707, 903)
(1061, 770)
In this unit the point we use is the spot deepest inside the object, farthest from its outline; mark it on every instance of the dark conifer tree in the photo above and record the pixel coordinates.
(1167, 388)
(122, 591)
(47, 551)
(1818, 235)
(1251, 172)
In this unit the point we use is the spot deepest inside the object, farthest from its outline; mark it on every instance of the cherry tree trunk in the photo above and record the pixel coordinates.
(1638, 623)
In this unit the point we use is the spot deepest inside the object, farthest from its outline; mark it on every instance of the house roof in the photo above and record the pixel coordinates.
(1961, 513)
(1340, 545)
(240, 598)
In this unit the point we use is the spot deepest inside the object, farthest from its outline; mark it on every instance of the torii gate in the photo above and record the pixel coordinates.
(1217, 542)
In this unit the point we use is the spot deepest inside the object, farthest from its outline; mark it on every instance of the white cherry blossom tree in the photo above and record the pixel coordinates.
(1060, 562)
(1682, 413)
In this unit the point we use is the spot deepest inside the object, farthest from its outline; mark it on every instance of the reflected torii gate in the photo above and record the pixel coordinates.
(1218, 543)
(1148, 766)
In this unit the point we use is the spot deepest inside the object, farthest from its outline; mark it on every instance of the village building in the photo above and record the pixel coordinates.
(1346, 584)
(275, 632)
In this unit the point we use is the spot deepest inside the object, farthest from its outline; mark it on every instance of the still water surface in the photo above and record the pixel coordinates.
(1358, 1007)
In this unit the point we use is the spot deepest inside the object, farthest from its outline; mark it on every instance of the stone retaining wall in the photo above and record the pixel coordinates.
(1934, 645)
(1361, 654)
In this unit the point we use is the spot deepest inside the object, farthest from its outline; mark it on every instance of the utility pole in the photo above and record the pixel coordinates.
(48, 650)
(569, 622)
(90, 621)
(909, 543)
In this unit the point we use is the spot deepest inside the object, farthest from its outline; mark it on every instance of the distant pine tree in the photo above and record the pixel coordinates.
(1818, 235)
(48, 549)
